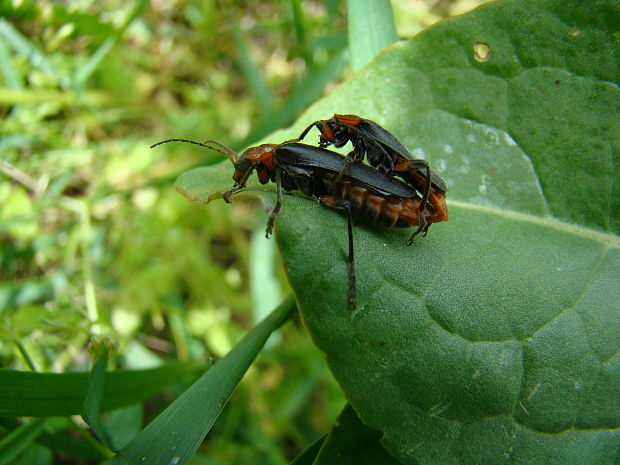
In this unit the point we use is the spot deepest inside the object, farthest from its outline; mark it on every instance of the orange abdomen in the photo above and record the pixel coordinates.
(387, 211)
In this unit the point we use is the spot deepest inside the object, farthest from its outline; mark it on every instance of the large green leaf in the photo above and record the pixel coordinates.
(496, 338)
(350, 441)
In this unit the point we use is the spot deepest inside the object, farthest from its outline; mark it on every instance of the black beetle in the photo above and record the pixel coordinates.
(362, 191)
(383, 151)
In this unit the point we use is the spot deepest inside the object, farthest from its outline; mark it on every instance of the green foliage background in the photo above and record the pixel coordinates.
(96, 245)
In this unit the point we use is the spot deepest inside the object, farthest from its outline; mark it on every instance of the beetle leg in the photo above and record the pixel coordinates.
(238, 186)
(348, 161)
(427, 188)
(228, 194)
(351, 259)
(306, 131)
(417, 165)
(411, 165)
(338, 203)
(276, 210)
(359, 144)
(422, 228)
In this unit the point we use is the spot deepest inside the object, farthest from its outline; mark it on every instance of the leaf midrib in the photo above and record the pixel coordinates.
(611, 240)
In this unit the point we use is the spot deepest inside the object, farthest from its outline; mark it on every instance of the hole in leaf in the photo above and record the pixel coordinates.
(482, 51)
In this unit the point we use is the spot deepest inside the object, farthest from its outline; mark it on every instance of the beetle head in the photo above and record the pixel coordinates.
(259, 158)
(332, 132)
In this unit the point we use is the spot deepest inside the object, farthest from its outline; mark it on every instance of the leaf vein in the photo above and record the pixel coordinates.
(584, 291)
(612, 240)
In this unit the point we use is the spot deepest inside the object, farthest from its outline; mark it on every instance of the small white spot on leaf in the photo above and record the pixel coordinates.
(418, 153)
(492, 135)
(484, 186)
(465, 165)
(482, 51)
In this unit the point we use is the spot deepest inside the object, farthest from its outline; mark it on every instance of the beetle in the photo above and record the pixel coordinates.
(362, 192)
(385, 152)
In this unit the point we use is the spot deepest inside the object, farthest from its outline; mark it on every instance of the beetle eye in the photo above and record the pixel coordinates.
(243, 164)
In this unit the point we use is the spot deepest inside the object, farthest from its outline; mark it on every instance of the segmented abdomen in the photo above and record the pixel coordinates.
(380, 209)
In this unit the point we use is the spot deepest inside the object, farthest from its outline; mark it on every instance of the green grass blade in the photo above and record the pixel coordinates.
(308, 456)
(176, 433)
(73, 446)
(137, 10)
(371, 29)
(19, 439)
(61, 442)
(25, 355)
(306, 91)
(300, 32)
(252, 73)
(93, 404)
(85, 71)
(313, 83)
(23, 46)
(58, 394)
(122, 425)
(7, 70)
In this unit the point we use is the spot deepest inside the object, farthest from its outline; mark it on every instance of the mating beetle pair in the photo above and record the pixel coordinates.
(344, 183)
(385, 152)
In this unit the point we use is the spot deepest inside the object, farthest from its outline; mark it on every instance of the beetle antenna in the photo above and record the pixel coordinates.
(306, 131)
(224, 150)
(210, 144)
(177, 140)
